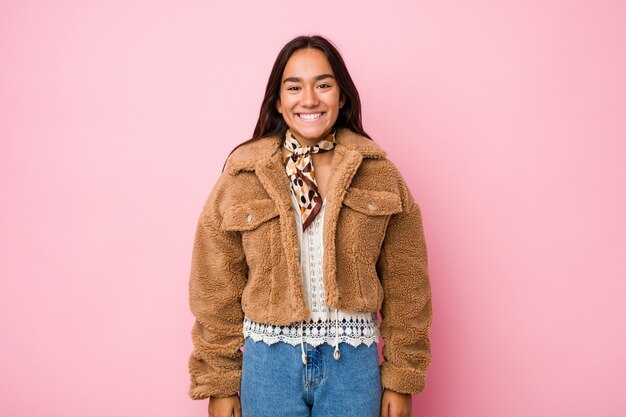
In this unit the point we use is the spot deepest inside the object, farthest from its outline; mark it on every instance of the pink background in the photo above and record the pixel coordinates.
(507, 119)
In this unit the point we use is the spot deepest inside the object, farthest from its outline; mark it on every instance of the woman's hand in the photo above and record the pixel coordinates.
(394, 404)
(225, 407)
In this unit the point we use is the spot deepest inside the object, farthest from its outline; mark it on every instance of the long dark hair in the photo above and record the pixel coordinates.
(271, 122)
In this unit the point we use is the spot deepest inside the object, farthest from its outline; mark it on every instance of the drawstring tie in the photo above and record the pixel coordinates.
(336, 353)
(302, 343)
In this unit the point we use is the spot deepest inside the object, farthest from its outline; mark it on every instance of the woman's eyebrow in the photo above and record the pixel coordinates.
(298, 79)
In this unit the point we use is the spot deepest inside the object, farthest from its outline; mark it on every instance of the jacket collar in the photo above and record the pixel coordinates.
(265, 158)
(260, 150)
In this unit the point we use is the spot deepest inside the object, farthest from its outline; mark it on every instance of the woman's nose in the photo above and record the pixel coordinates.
(309, 97)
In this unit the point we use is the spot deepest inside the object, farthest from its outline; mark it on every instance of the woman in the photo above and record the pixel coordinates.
(309, 232)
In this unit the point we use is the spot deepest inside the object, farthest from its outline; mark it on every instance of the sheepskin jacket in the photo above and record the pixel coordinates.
(246, 260)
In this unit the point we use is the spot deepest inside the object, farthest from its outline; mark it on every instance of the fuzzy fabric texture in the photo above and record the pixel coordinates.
(246, 260)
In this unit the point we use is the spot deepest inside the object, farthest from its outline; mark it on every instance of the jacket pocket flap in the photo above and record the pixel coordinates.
(373, 202)
(249, 215)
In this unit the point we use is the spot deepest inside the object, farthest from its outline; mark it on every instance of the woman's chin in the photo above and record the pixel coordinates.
(312, 135)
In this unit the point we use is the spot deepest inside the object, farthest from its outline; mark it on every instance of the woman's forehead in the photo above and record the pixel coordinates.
(307, 63)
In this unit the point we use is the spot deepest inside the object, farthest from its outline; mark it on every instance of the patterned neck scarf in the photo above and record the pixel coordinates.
(299, 168)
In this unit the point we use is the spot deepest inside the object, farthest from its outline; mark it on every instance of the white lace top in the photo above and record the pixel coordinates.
(353, 328)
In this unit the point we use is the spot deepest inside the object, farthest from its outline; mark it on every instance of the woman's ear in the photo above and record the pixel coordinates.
(342, 100)
(278, 106)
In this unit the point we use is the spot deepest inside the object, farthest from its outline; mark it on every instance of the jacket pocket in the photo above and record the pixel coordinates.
(373, 202)
(364, 219)
(259, 225)
(248, 215)
(361, 230)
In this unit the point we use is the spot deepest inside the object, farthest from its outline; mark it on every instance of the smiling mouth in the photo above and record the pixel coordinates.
(310, 116)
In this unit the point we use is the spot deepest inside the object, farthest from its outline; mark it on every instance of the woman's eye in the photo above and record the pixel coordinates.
(293, 88)
(324, 85)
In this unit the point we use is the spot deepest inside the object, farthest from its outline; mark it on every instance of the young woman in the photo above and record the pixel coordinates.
(309, 232)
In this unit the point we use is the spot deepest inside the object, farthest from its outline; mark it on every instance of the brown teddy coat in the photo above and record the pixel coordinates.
(246, 260)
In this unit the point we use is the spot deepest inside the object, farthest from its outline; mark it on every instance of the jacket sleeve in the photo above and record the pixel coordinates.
(217, 279)
(406, 309)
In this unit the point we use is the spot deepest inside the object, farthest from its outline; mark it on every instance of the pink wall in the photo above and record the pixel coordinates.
(506, 117)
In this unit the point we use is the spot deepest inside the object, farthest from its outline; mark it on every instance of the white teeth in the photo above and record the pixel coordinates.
(311, 116)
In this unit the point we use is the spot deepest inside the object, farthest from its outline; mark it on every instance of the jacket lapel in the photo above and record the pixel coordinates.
(344, 165)
(271, 174)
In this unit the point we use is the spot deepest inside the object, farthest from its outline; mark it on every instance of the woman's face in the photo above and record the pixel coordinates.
(309, 96)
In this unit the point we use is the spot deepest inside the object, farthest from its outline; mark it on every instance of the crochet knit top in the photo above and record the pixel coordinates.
(324, 326)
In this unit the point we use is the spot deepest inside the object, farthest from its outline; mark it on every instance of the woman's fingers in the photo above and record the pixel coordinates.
(394, 404)
(225, 407)
(384, 407)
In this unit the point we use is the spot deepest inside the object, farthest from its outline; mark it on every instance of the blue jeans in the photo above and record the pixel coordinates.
(275, 382)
